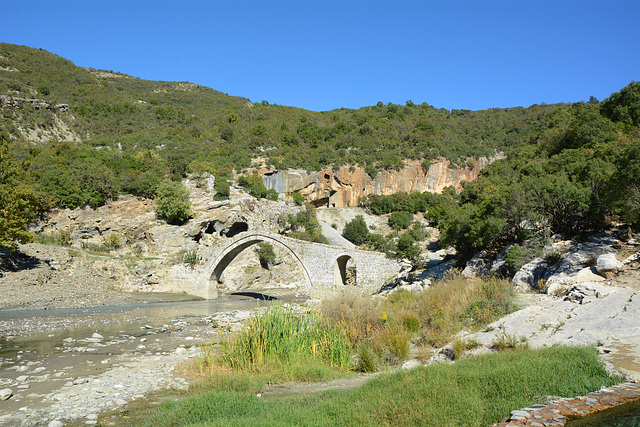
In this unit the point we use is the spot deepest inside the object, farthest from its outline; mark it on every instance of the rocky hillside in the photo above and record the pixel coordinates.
(123, 247)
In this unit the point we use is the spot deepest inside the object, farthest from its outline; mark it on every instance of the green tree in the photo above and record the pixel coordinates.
(406, 248)
(19, 203)
(254, 186)
(222, 189)
(266, 255)
(172, 202)
(356, 231)
(400, 220)
(623, 106)
(43, 90)
(308, 220)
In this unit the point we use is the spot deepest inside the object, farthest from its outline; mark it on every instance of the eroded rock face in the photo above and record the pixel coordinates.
(526, 279)
(345, 186)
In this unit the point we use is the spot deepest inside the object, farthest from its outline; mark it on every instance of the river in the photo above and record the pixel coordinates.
(65, 365)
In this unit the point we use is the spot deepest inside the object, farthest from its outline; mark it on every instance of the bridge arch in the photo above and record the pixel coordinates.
(229, 253)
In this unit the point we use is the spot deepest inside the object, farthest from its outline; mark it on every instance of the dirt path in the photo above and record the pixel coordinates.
(306, 388)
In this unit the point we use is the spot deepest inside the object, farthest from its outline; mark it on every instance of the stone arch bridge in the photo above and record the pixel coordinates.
(326, 268)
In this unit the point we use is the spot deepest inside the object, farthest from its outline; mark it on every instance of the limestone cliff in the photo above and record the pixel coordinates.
(345, 186)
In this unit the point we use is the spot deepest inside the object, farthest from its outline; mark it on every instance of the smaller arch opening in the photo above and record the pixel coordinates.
(345, 271)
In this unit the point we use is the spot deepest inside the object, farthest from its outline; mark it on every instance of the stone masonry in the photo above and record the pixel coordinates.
(325, 266)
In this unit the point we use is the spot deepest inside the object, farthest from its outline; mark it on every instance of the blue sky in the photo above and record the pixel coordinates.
(323, 55)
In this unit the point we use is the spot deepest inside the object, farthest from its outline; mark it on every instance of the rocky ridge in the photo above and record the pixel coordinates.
(344, 187)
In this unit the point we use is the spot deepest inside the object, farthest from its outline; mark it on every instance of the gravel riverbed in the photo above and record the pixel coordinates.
(70, 366)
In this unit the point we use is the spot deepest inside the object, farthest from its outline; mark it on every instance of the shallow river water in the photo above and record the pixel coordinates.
(73, 364)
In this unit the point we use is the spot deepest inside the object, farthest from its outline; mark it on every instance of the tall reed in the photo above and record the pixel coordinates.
(282, 337)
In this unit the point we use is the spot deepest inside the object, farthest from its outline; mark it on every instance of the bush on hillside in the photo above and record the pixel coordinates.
(356, 231)
(254, 186)
(400, 220)
(266, 255)
(172, 202)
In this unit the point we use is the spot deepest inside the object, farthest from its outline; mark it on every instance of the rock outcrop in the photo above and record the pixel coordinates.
(345, 186)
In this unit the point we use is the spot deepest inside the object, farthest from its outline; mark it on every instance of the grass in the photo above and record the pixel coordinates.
(434, 316)
(280, 339)
(475, 391)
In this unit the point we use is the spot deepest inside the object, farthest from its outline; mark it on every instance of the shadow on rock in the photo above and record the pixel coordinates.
(17, 261)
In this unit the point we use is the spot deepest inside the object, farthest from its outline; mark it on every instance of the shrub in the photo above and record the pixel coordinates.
(298, 198)
(112, 242)
(266, 255)
(222, 189)
(255, 187)
(308, 220)
(513, 259)
(407, 248)
(356, 231)
(191, 258)
(553, 258)
(400, 220)
(172, 202)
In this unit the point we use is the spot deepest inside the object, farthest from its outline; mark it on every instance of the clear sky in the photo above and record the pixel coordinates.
(321, 55)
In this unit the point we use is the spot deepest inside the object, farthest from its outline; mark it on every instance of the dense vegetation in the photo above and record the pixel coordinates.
(477, 391)
(574, 178)
(351, 333)
(578, 175)
(130, 133)
(355, 333)
(115, 110)
(19, 204)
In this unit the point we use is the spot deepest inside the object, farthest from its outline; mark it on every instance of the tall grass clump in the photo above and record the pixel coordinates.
(457, 303)
(359, 316)
(279, 337)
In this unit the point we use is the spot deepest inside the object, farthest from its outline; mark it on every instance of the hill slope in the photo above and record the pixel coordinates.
(103, 108)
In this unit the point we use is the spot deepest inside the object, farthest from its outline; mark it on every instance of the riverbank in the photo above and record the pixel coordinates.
(48, 277)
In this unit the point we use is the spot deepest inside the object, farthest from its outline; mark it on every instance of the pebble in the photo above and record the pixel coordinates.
(6, 393)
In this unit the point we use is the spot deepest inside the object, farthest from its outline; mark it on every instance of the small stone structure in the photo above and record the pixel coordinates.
(326, 268)
(559, 411)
